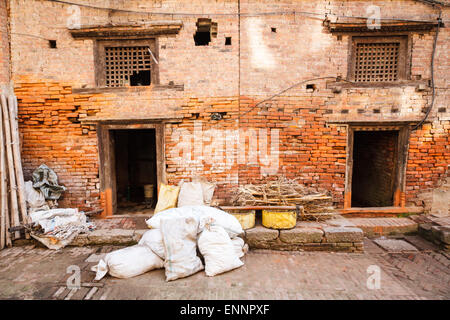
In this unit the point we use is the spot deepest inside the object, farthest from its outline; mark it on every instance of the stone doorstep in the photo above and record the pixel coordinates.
(383, 226)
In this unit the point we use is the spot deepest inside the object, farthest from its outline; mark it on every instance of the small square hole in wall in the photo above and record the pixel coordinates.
(228, 41)
(339, 37)
(311, 87)
(273, 30)
(52, 44)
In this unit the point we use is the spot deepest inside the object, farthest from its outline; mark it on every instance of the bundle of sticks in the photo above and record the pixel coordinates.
(317, 203)
(13, 209)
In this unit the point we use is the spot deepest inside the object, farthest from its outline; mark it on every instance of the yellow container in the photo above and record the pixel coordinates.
(246, 218)
(148, 190)
(277, 219)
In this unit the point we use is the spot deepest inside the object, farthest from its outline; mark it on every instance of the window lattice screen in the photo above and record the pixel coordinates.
(122, 62)
(375, 62)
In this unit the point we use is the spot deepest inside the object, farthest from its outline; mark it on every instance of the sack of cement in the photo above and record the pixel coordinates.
(167, 197)
(153, 239)
(208, 189)
(180, 246)
(240, 247)
(218, 250)
(191, 194)
(34, 198)
(128, 262)
(201, 213)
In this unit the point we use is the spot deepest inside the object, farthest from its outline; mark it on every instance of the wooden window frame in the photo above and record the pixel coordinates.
(99, 58)
(404, 63)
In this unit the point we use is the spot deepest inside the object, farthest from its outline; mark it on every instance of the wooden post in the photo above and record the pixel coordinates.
(12, 101)
(3, 198)
(12, 178)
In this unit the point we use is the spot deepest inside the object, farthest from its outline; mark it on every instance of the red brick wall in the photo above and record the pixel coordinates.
(227, 79)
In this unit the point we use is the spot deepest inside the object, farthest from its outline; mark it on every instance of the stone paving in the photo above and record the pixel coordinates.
(37, 273)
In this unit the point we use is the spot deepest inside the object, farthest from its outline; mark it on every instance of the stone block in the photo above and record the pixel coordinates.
(301, 235)
(261, 234)
(442, 233)
(343, 234)
(111, 236)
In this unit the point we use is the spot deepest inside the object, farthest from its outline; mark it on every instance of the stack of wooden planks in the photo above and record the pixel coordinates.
(13, 209)
(317, 203)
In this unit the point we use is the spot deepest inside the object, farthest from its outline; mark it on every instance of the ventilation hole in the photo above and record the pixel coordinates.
(344, 111)
(202, 38)
(442, 109)
(273, 29)
(205, 30)
(376, 110)
(361, 110)
(311, 87)
(394, 110)
(339, 37)
(52, 44)
(228, 41)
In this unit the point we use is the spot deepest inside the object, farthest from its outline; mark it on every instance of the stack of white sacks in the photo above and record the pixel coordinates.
(172, 243)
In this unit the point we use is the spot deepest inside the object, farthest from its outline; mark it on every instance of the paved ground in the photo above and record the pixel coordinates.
(37, 273)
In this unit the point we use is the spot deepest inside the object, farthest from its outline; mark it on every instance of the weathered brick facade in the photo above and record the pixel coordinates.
(61, 110)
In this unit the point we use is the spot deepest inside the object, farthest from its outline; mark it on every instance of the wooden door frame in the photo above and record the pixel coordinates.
(107, 168)
(400, 164)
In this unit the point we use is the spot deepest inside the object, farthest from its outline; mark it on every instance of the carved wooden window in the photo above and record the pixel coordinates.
(378, 59)
(126, 63)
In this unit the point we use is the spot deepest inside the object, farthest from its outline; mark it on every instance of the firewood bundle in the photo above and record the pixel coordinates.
(317, 203)
(13, 209)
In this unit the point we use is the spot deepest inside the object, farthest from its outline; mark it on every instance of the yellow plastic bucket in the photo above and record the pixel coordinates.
(278, 219)
(245, 218)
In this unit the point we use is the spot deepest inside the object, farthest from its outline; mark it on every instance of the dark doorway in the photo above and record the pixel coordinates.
(136, 168)
(374, 168)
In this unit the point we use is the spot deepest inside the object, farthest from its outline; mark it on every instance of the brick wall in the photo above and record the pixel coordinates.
(56, 91)
(4, 44)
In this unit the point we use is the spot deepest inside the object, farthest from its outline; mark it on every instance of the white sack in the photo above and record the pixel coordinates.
(240, 247)
(191, 194)
(34, 198)
(128, 262)
(201, 213)
(53, 218)
(207, 189)
(153, 239)
(180, 237)
(218, 251)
